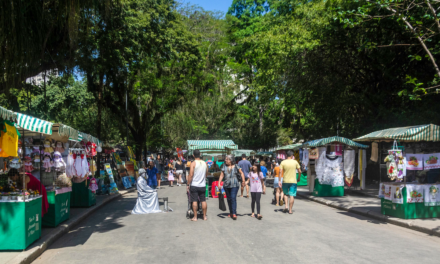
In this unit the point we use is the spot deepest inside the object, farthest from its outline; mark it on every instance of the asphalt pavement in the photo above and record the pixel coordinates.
(314, 233)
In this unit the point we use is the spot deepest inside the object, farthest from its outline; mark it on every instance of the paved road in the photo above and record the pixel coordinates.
(313, 234)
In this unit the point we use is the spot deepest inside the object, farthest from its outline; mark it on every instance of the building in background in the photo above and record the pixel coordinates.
(39, 79)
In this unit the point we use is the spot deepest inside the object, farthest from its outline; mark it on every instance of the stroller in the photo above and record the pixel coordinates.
(190, 213)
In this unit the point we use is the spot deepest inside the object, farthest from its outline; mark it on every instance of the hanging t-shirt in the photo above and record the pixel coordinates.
(255, 181)
(9, 140)
(281, 155)
(320, 162)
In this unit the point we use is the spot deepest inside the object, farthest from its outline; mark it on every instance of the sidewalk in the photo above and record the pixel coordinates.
(369, 206)
(50, 235)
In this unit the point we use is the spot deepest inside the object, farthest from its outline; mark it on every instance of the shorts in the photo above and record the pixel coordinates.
(197, 193)
(290, 189)
(275, 182)
(179, 172)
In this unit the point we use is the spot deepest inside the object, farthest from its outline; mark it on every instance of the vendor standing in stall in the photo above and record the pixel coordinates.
(32, 183)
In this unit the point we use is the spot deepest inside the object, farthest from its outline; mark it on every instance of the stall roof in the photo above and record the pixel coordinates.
(35, 126)
(264, 153)
(211, 144)
(7, 114)
(293, 146)
(405, 134)
(247, 152)
(325, 141)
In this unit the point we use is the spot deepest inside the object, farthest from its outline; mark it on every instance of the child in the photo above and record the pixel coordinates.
(171, 177)
(256, 180)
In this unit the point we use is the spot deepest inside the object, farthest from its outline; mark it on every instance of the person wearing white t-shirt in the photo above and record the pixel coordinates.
(196, 184)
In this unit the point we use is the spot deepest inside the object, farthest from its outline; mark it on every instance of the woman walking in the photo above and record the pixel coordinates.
(230, 172)
(256, 179)
(179, 171)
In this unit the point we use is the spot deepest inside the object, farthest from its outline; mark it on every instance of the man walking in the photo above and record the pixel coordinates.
(245, 166)
(288, 179)
(153, 175)
(159, 166)
(197, 184)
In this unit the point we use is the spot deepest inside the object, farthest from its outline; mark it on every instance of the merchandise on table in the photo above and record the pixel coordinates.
(414, 161)
(431, 161)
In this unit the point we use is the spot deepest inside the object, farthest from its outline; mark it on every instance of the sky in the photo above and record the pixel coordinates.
(212, 5)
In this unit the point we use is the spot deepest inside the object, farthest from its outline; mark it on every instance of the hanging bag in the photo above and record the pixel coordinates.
(221, 202)
(238, 174)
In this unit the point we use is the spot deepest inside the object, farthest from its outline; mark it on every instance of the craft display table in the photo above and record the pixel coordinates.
(59, 207)
(81, 196)
(323, 190)
(406, 210)
(303, 180)
(20, 223)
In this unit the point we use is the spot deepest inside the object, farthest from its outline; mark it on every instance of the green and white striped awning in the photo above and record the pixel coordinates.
(211, 144)
(7, 114)
(292, 147)
(325, 141)
(247, 152)
(405, 134)
(264, 153)
(34, 124)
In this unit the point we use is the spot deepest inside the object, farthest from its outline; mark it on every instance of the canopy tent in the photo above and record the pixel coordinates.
(405, 134)
(292, 147)
(35, 126)
(325, 141)
(264, 153)
(7, 114)
(240, 152)
(211, 144)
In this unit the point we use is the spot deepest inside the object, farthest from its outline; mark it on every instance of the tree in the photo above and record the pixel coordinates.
(417, 18)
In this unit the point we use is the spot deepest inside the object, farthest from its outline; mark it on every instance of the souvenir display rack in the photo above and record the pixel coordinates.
(408, 194)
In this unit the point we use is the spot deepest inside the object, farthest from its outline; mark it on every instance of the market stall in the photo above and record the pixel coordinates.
(332, 163)
(413, 170)
(224, 146)
(21, 209)
(297, 148)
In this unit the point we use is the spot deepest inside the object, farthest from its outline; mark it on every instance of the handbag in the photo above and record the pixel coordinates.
(314, 153)
(221, 202)
(238, 174)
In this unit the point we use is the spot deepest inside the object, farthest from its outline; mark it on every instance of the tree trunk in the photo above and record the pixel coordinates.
(99, 117)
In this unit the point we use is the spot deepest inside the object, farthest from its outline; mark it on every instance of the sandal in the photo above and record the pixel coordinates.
(259, 217)
(253, 215)
(234, 217)
(229, 215)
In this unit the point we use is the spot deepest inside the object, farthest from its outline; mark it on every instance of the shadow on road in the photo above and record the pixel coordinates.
(363, 218)
(103, 221)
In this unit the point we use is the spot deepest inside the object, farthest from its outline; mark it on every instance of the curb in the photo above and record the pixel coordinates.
(373, 215)
(26, 257)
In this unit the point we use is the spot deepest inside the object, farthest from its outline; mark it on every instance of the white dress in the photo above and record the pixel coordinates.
(333, 172)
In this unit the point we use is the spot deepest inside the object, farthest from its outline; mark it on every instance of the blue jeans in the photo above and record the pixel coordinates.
(231, 195)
